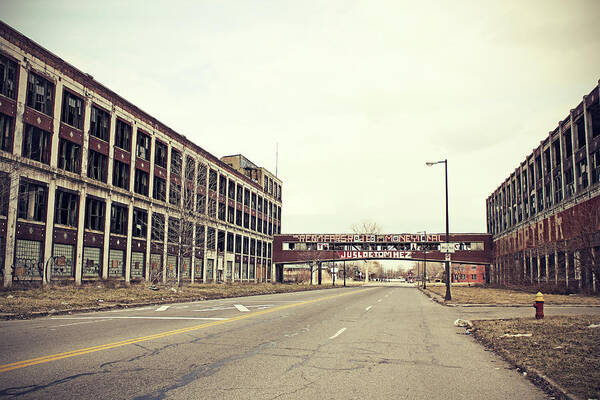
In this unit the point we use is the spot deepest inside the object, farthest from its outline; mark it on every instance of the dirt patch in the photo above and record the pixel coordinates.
(565, 349)
(28, 303)
(483, 295)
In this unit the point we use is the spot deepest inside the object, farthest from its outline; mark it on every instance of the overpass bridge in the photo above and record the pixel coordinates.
(303, 248)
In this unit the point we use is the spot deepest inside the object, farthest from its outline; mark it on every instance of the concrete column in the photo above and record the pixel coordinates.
(537, 258)
(11, 226)
(524, 262)
(148, 243)
(556, 267)
(566, 268)
(21, 101)
(105, 251)
(547, 266)
(530, 267)
(49, 220)
(129, 234)
(56, 127)
(165, 241)
(132, 161)
(80, 231)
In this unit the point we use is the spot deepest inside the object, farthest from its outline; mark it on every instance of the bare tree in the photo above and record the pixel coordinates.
(366, 228)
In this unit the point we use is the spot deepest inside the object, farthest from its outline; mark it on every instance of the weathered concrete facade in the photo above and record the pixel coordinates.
(94, 188)
(545, 217)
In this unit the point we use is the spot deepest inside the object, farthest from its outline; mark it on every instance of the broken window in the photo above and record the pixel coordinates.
(595, 119)
(556, 153)
(238, 217)
(140, 182)
(245, 245)
(99, 123)
(69, 156)
(36, 144)
(547, 161)
(220, 241)
(190, 167)
(580, 133)
(118, 219)
(557, 189)
(246, 197)
(175, 162)
(222, 212)
(230, 242)
(246, 220)
(66, 207)
(94, 214)
(259, 223)
(201, 175)
(40, 92)
(97, 166)
(212, 179)
(188, 197)
(6, 130)
(239, 193)
(231, 215)
(140, 223)
(160, 154)
(159, 189)
(4, 197)
(238, 244)
(173, 234)
(253, 201)
(8, 77)
(175, 193)
(212, 208)
(200, 236)
(253, 222)
(72, 110)
(595, 157)
(121, 175)
(570, 189)
(538, 168)
(568, 143)
(32, 201)
(231, 190)
(158, 227)
(123, 135)
(582, 176)
(200, 203)
(142, 148)
(222, 185)
(210, 238)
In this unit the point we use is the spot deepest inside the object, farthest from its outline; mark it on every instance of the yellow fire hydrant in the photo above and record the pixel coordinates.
(539, 305)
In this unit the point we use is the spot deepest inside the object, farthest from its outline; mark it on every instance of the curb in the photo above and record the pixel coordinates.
(536, 377)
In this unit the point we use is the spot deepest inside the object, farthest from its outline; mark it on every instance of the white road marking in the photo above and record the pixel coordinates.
(74, 323)
(241, 308)
(162, 308)
(338, 333)
(368, 308)
(138, 317)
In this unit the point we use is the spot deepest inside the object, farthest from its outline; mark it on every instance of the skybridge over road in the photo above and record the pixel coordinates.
(463, 248)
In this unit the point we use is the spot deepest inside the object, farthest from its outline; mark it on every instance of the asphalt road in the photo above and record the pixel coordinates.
(347, 343)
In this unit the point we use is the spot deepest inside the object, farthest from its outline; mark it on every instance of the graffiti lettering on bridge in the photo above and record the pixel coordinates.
(348, 255)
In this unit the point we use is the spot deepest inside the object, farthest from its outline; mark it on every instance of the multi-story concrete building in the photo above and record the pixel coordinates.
(92, 187)
(545, 217)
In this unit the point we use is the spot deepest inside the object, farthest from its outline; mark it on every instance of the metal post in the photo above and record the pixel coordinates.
(333, 273)
(344, 273)
(448, 294)
(425, 268)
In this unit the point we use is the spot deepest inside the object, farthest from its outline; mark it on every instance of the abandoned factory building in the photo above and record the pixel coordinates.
(545, 217)
(92, 187)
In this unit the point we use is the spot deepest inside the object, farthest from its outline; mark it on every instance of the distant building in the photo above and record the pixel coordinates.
(466, 273)
(545, 216)
(92, 187)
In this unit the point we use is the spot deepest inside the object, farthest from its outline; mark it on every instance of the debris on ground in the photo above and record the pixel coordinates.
(517, 335)
(463, 323)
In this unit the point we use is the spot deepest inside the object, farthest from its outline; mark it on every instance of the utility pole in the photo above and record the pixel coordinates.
(344, 273)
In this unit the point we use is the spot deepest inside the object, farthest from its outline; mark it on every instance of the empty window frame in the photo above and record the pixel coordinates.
(246, 220)
(556, 153)
(253, 222)
(557, 189)
(595, 159)
(580, 124)
(72, 110)
(212, 179)
(582, 175)
(160, 154)
(69, 156)
(97, 166)
(230, 242)
(210, 238)
(4, 198)
(118, 219)
(123, 135)
(190, 168)
(158, 227)
(32, 200)
(159, 189)
(8, 77)
(220, 241)
(253, 201)
(201, 175)
(36, 144)
(6, 132)
(121, 175)
(222, 185)
(142, 148)
(94, 214)
(569, 182)
(238, 217)
(200, 237)
(140, 223)
(260, 204)
(140, 182)
(230, 215)
(231, 190)
(66, 207)
(246, 197)
(40, 94)
(175, 193)
(568, 143)
(201, 203)
(212, 208)
(245, 245)
(99, 123)
(222, 211)
(175, 162)
(594, 111)
(238, 244)
(173, 233)
(240, 191)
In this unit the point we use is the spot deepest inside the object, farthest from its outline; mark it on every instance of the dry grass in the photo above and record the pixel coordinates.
(565, 349)
(482, 295)
(22, 303)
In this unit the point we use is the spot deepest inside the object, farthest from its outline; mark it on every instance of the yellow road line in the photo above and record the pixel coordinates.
(78, 352)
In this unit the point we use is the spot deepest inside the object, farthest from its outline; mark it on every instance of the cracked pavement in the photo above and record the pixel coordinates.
(397, 344)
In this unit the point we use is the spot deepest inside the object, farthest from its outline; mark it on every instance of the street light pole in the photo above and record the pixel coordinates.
(445, 162)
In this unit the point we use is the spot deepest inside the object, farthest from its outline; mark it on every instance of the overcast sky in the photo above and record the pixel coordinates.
(358, 94)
